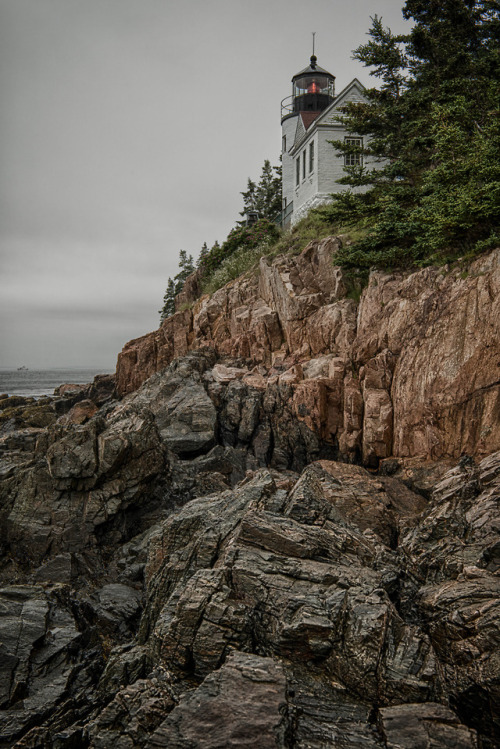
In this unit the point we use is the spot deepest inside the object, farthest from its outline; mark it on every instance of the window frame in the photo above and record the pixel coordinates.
(353, 159)
(311, 157)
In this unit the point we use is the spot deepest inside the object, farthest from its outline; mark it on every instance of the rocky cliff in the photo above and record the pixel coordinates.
(410, 370)
(203, 561)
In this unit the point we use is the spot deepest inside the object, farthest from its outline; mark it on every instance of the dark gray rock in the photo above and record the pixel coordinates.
(60, 569)
(219, 469)
(178, 585)
(187, 423)
(46, 663)
(126, 664)
(431, 725)
(129, 720)
(322, 713)
(242, 705)
(116, 608)
(315, 589)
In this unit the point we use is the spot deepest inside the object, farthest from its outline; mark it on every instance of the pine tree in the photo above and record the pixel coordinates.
(203, 253)
(186, 265)
(268, 193)
(264, 197)
(175, 286)
(248, 199)
(435, 122)
(168, 301)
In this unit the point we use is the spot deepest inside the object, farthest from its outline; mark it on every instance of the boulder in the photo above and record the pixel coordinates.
(240, 705)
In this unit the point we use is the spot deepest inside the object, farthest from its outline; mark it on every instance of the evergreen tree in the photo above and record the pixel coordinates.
(268, 192)
(175, 286)
(168, 301)
(248, 198)
(203, 254)
(435, 122)
(264, 196)
(186, 265)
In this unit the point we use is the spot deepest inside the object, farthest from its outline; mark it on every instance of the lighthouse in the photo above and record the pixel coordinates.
(310, 118)
(313, 90)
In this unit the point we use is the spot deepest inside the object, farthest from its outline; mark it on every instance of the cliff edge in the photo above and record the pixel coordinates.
(411, 370)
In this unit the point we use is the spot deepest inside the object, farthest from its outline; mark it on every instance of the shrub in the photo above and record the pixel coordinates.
(263, 233)
(235, 265)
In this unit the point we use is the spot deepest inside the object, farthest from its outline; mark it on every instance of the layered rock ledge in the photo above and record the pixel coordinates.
(411, 370)
(192, 566)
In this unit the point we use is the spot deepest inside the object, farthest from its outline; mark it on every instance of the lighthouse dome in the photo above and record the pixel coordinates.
(313, 88)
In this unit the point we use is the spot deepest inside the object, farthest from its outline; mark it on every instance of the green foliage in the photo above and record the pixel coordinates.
(168, 301)
(174, 287)
(264, 196)
(245, 246)
(314, 226)
(203, 253)
(248, 199)
(356, 282)
(460, 197)
(246, 238)
(241, 261)
(435, 122)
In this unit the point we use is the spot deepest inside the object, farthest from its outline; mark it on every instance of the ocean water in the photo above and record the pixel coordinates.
(38, 382)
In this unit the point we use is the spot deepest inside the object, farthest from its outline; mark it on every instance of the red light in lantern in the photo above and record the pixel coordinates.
(313, 88)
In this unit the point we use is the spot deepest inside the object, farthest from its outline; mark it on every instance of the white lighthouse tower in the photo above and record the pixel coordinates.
(313, 89)
(309, 120)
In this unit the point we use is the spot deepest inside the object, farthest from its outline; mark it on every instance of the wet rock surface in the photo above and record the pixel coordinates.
(194, 566)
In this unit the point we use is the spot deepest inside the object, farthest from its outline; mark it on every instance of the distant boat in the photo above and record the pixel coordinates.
(22, 369)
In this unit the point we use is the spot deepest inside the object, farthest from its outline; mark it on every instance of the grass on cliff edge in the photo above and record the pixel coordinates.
(313, 227)
(321, 223)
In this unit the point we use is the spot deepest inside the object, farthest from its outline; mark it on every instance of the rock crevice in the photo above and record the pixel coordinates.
(411, 370)
(254, 548)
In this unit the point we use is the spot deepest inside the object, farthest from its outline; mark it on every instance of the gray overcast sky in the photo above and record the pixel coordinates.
(128, 129)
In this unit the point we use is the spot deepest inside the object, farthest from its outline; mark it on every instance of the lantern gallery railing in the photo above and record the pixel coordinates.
(287, 106)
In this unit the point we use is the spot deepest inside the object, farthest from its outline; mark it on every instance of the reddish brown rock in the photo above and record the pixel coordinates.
(242, 706)
(69, 389)
(80, 413)
(417, 360)
(190, 291)
(430, 725)
(144, 356)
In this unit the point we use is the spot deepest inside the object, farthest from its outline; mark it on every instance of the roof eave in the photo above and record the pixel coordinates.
(318, 123)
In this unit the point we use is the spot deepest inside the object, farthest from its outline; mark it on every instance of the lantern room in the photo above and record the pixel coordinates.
(313, 88)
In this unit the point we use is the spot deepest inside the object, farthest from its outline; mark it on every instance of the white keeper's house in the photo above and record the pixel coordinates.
(309, 119)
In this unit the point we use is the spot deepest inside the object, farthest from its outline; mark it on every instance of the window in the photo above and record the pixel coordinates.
(353, 159)
(311, 157)
(303, 165)
(297, 172)
(283, 144)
